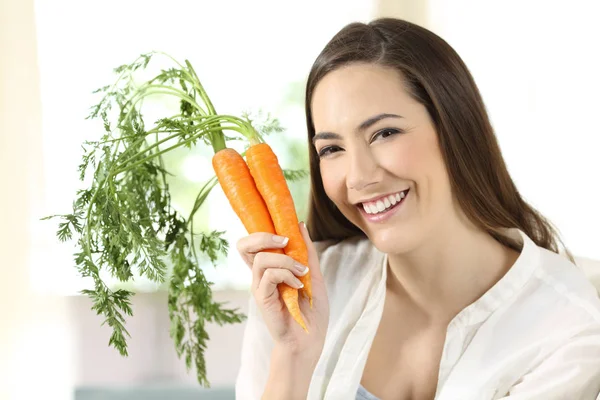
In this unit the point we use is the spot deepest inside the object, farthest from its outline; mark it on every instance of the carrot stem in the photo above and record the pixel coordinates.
(220, 145)
(218, 140)
(202, 92)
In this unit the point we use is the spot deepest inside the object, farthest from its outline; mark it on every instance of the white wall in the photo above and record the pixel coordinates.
(34, 348)
(414, 11)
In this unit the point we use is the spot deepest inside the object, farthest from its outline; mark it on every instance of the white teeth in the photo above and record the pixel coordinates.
(383, 204)
(370, 208)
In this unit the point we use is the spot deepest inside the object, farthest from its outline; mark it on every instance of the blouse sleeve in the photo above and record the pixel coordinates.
(571, 372)
(255, 357)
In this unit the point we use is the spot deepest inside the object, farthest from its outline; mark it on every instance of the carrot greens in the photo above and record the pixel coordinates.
(124, 222)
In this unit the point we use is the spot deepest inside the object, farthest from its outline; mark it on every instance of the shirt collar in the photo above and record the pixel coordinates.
(508, 286)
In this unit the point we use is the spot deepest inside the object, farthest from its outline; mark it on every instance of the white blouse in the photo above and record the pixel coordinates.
(533, 335)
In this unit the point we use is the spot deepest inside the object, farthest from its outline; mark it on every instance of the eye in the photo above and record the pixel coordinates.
(385, 133)
(327, 150)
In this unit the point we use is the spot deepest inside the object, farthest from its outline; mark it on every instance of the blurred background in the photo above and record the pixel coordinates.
(535, 62)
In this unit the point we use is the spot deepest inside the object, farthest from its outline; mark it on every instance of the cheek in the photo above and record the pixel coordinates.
(333, 180)
(436, 171)
(402, 158)
(433, 184)
(418, 160)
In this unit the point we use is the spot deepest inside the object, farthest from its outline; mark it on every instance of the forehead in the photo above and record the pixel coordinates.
(347, 96)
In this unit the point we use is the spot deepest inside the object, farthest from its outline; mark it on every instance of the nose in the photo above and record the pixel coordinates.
(362, 170)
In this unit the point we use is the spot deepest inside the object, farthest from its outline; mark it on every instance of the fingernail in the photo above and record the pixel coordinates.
(280, 239)
(305, 228)
(301, 269)
(298, 283)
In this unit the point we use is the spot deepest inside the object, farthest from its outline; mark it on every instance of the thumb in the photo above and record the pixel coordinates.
(313, 258)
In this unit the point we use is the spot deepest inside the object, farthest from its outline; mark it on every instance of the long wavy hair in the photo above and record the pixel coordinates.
(436, 77)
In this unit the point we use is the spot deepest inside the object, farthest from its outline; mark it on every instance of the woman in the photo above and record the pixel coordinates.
(432, 277)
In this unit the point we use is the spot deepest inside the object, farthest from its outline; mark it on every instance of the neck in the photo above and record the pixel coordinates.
(455, 267)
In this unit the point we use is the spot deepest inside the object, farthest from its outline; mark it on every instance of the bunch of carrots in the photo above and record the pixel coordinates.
(123, 221)
(259, 195)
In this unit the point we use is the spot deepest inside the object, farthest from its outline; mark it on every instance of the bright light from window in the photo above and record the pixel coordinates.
(197, 169)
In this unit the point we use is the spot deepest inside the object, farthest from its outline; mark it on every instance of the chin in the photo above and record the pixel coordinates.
(393, 240)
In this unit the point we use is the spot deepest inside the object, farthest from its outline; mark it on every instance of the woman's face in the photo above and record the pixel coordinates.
(379, 157)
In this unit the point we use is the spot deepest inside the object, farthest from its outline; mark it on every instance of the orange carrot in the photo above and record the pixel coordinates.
(240, 189)
(271, 184)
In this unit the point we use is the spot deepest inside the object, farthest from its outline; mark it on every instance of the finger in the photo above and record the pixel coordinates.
(264, 261)
(313, 258)
(272, 277)
(249, 245)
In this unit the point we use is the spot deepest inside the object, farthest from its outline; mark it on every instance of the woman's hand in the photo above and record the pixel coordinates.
(271, 269)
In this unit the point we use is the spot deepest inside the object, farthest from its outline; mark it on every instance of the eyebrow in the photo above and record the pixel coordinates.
(365, 125)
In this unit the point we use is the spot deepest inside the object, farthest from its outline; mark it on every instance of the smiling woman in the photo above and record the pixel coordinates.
(433, 277)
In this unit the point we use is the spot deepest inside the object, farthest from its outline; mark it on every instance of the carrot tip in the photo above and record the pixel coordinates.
(300, 321)
(308, 297)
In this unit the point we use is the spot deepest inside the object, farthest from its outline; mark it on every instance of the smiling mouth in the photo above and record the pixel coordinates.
(384, 204)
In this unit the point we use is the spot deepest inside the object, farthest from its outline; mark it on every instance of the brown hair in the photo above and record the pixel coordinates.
(436, 77)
